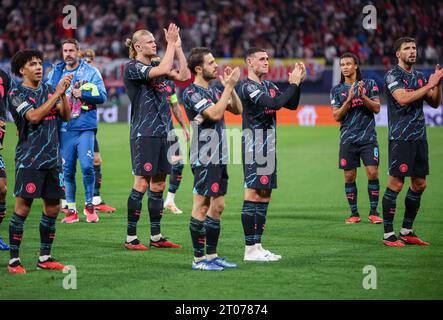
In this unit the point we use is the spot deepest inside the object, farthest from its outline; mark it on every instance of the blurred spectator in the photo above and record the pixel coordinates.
(287, 28)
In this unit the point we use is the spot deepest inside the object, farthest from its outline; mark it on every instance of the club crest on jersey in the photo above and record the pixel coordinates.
(403, 167)
(30, 187)
(215, 187)
(264, 180)
(196, 97)
(147, 166)
(420, 82)
(272, 92)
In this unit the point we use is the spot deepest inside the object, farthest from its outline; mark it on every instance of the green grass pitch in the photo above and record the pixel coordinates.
(322, 257)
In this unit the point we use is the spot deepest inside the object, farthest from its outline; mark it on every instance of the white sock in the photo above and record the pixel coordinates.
(198, 259)
(170, 197)
(64, 203)
(14, 260)
(157, 237)
(211, 256)
(404, 231)
(130, 238)
(387, 235)
(71, 205)
(43, 258)
(96, 200)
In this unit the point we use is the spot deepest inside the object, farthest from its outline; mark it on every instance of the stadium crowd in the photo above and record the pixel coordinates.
(319, 28)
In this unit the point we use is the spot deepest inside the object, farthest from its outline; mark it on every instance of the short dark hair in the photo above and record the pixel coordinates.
(22, 57)
(196, 57)
(73, 41)
(356, 61)
(253, 50)
(400, 41)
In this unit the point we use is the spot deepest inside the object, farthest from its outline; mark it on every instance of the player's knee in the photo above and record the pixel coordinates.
(158, 186)
(141, 185)
(88, 171)
(350, 177)
(396, 186)
(373, 174)
(419, 186)
(3, 189)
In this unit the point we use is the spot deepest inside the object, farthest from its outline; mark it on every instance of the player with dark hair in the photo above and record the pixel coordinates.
(354, 101)
(261, 99)
(77, 135)
(36, 109)
(146, 85)
(406, 89)
(97, 201)
(177, 159)
(5, 86)
(205, 107)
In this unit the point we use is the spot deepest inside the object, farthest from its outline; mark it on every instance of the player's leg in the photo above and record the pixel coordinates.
(389, 202)
(134, 210)
(86, 157)
(413, 197)
(174, 183)
(68, 148)
(212, 227)
(200, 207)
(155, 207)
(401, 163)
(3, 245)
(16, 227)
(373, 192)
(351, 195)
(97, 201)
(259, 200)
(47, 235)
(159, 166)
(370, 155)
(349, 161)
(52, 191)
(412, 206)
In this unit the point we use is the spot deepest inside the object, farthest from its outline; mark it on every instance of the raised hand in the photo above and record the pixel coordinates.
(226, 73)
(172, 34)
(435, 78)
(233, 77)
(361, 86)
(295, 77)
(351, 92)
(303, 67)
(63, 85)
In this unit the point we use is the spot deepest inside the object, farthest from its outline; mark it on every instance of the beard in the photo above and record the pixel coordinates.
(409, 61)
(208, 76)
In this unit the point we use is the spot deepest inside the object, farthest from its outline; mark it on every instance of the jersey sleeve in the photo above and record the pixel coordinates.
(137, 71)
(18, 104)
(335, 99)
(393, 82)
(373, 91)
(250, 91)
(195, 101)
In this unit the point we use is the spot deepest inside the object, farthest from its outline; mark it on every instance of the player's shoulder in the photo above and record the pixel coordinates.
(337, 88)
(189, 90)
(392, 74)
(370, 82)
(418, 73)
(4, 75)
